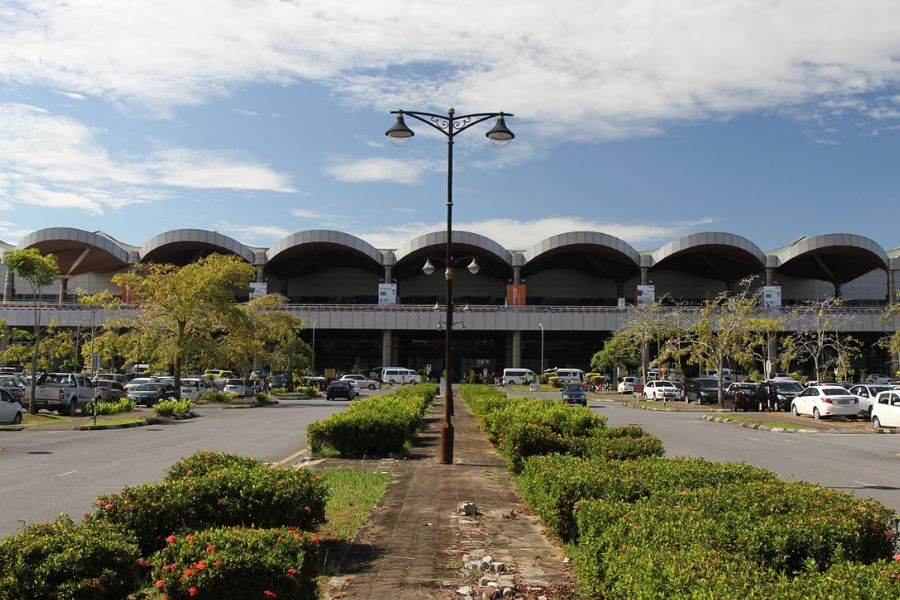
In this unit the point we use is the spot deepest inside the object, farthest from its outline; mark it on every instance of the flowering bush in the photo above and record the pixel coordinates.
(62, 560)
(245, 495)
(228, 563)
(205, 462)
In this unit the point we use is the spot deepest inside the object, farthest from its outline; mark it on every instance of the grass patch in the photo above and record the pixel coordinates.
(29, 420)
(760, 421)
(354, 493)
(108, 423)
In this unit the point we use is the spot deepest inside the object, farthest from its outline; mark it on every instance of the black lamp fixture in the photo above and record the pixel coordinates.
(449, 125)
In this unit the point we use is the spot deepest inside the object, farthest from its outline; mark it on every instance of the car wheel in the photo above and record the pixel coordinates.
(392, 382)
(794, 410)
(18, 418)
(73, 407)
(816, 414)
(869, 412)
(876, 423)
(371, 386)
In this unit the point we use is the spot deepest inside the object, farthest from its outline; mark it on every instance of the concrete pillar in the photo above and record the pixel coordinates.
(620, 293)
(516, 340)
(517, 274)
(770, 276)
(837, 289)
(388, 273)
(259, 274)
(386, 348)
(645, 275)
(891, 282)
(9, 287)
(63, 289)
(283, 284)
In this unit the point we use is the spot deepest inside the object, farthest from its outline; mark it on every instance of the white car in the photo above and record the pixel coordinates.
(886, 409)
(194, 387)
(10, 409)
(236, 386)
(821, 401)
(626, 386)
(136, 383)
(867, 393)
(363, 381)
(660, 389)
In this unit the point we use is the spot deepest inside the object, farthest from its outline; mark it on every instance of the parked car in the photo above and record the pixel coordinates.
(867, 393)
(626, 385)
(886, 409)
(218, 373)
(150, 393)
(119, 377)
(108, 390)
(660, 389)
(194, 387)
(236, 386)
(10, 409)
(680, 387)
(282, 379)
(702, 390)
(340, 389)
(742, 396)
(825, 401)
(777, 394)
(16, 387)
(573, 393)
(66, 392)
(136, 383)
(363, 381)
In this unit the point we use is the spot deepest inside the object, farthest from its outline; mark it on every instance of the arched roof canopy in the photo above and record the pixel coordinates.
(183, 246)
(588, 251)
(712, 254)
(838, 257)
(319, 249)
(494, 259)
(78, 251)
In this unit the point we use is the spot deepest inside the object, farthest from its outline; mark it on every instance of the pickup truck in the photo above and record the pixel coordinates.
(65, 392)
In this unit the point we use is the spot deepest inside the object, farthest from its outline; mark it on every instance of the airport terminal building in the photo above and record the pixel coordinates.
(558, 299)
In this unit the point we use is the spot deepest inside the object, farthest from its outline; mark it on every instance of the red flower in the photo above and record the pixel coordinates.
(108, 507)
(314, 539)
(95, 581)
(142, 562)
(99, 503)
(193, 591)
(897, 556)
(270, 594)
(190, 473)
(171, 539)
(292, 571)
(160, 584)
(210, 548)
(190, 538)
(199, 565)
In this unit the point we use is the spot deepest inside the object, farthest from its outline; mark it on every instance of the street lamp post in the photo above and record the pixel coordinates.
(541, 325)
(313, 359)
(449, 125)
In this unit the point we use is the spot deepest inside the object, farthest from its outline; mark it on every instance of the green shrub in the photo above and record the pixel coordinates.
(114, 408)
(65, 561)
(240, 494)
(205, 462)
(618, 443)
(217, 396)
(227, 563)
(278, 390)
(555, 381)
(263, 397)
(172, 408)
(378, 425)
(553, 485)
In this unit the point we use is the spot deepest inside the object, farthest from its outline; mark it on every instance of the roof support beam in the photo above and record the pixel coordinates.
(78, 260)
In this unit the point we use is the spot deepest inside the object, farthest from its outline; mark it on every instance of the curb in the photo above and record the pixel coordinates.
(757, 425)
(100, 427)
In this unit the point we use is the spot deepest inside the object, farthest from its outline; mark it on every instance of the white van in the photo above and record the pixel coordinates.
(570, 375)
(399, 375)
(518, 376)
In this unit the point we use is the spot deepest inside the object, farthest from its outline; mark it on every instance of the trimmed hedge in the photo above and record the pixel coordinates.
(113, 408)
(65, 561)
(554, 485)
(226, 563)
(205, 462)
(375, 426)
(239, 494)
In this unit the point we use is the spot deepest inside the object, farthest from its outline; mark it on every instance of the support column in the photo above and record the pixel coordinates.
(620, 294)
(770, 276)
(838, 289)
(9, 287)
(386, 348)
(259, 274)
(516, 339)
(891, 283)
(63, 288)
(645, 275)
(517, 275)
(388, 273)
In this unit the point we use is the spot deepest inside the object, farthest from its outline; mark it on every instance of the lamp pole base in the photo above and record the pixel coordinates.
(446, 456)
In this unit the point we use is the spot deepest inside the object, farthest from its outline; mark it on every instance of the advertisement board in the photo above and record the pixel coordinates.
(258, 289)
(770, 296)
(515, 294)
(387, 293)
(646, 295)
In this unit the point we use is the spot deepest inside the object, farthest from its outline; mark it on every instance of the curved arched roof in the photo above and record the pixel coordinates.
(78, 251)
(619, 259)
(838, 257)
(189, 242)
(343, 250)
(722, 255)
(460, 238)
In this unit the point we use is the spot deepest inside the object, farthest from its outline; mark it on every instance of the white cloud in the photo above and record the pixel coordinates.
(55, 161)
(520, 234)
(589, 69)
(12, 233)
(246, 113)
(72, 95)
(305, 213)
(394, 170)
(254, 234)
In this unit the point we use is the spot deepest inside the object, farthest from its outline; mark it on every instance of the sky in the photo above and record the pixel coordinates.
(645, 120)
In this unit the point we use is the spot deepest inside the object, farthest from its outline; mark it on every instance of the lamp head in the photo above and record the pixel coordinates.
(428, 268)
(499, 134)
(474, 267)
(400, 134)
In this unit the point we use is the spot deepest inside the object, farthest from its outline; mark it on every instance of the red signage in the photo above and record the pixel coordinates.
(515, 294)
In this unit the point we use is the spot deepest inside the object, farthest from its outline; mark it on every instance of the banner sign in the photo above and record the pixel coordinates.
(515, 294)
(646, 295)
(387, 293)
(770, 296)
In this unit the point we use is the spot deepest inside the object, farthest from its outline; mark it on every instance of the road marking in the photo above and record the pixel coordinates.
(293, 457)
(864, 483)
(753, 439)
(67, 473)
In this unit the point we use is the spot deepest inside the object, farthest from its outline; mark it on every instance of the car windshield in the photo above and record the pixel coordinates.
(234, 382)
(877, 389)
(338, 384)
(664, 384)
(706, 383)
(742, 386)
(835, 391)
(788, 386)
(151, 387)
(572, 387)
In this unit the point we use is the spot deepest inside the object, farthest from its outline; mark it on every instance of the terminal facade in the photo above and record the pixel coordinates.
(559, 299)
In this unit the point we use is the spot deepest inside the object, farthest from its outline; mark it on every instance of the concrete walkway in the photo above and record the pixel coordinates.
(414, 544)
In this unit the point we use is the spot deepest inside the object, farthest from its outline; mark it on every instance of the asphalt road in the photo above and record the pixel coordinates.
(43, 473)
(865, 464)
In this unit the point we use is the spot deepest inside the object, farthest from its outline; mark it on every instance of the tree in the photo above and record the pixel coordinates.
(39, 271)
(183, 308)
(643, 326)
(892, 340)
(817, 338)
(103, 300)
(618, 350)
(727, 327)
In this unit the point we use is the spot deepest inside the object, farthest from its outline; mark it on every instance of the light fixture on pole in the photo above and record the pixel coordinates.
(313, 358)
(541, 325)
(449, 125)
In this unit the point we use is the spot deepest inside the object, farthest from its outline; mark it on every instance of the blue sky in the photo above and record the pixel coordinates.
(645, 120)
